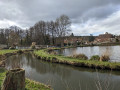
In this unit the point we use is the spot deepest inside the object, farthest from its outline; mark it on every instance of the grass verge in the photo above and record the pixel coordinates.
(30, 85)
(43, 55)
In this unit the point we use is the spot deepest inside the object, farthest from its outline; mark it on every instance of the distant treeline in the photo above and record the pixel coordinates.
(43, 33)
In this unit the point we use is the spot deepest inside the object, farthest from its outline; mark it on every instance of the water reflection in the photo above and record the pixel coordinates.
(62, 77)
(112, 51)
(28, 60)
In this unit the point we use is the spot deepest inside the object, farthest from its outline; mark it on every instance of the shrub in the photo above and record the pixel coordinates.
(80, 56)
(20, 51)
(51, 51)
(33, 47)
(104, 58)
(95, 57)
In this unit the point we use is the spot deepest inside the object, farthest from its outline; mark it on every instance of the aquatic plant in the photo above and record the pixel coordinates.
(95, 57)
(80, 56)
(105, 58)
(53, 52)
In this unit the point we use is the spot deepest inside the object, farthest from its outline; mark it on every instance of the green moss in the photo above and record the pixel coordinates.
(89, 63)
(30, 84)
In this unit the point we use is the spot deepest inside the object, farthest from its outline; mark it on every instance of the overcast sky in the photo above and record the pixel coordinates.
(87, 16)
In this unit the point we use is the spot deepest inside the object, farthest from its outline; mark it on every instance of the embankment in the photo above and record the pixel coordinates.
(44, 55)
(6, 53)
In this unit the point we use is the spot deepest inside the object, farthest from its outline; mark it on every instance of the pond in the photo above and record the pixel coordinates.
(65, 77)
(112, 51)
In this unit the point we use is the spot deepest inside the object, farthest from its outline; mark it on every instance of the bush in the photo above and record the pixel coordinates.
(53, 52)
(33, 47)
(104, 58)
(95, 57)
(20, 51)
(80, 56)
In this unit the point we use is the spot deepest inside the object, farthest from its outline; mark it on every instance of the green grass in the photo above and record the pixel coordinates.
(5, 51)
(2, 52)
(2, 75)
(89, 63)
(30, 85)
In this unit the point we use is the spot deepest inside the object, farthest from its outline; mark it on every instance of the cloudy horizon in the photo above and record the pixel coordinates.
(87, 17)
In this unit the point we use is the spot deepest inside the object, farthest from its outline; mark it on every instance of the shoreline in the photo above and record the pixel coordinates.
(30, 84)
(5, 53)
(66, 47)
(91, 45)
(43, 55)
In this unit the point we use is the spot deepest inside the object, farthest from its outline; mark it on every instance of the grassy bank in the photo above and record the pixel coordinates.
(2, 52)
(7, 51)
(30, 85)
(43, 55)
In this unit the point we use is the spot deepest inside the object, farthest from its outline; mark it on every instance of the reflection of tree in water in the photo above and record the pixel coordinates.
(105, 50)
(46, 67)
(40, 67)
(74, 51)
(70, 51)
(68, 75)
(14, 62)
(60, 52)
(108, 51)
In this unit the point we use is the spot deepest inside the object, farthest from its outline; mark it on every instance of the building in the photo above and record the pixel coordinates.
(77, 39)
(88, 40)
(105, 38)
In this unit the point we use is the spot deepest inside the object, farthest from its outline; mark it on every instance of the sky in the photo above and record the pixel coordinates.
(87, 16)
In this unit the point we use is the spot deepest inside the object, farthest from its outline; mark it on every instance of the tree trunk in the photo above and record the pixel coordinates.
(15, 80)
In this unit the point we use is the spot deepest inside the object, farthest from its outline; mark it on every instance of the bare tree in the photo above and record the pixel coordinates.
(43, 33)
(62, 27)
(13, 38)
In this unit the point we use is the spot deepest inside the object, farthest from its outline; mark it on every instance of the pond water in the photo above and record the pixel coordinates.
(112, 51)
(65, 77)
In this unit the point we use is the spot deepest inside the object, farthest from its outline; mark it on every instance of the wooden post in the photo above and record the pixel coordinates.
(15, 80)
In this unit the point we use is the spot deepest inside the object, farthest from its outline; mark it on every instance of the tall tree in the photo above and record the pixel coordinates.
(62, 27)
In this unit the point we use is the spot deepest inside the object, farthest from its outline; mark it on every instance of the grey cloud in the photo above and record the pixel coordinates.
(110, 24)
(27, 12)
